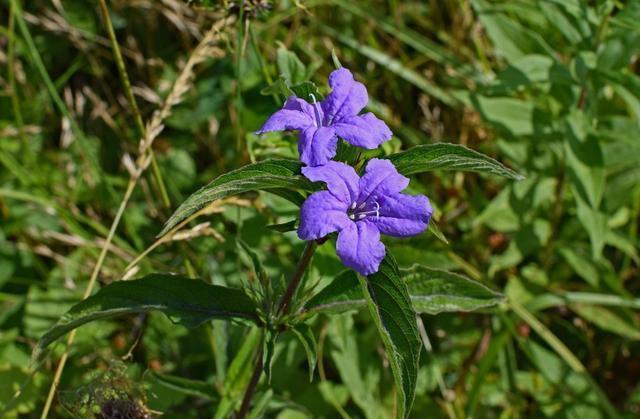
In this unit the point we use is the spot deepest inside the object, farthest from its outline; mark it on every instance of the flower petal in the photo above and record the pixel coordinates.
(403, 215)
(341, 179)
(296, 104)
(359, 247)
(365, 131)
(380, 179)
(317, 145)
(347, 98)
(295, 114)
(321, 213)
(286, 120)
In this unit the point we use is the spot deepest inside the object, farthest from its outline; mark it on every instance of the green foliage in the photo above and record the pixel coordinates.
(448, 157)
(519, 121)
(265, 175)
(431, 291)
(185, 301)
(388, 300)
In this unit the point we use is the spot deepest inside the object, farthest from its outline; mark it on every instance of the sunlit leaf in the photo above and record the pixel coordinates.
(264, 175)
(445, 156)
(388, 301)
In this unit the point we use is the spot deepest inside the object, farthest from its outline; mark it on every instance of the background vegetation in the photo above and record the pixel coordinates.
(551, 88)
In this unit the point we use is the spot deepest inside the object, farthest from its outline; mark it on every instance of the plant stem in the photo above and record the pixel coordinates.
(307, 253)
(283, 309)
(251, 388)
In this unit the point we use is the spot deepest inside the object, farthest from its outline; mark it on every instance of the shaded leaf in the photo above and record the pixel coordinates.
(608, 320)
(238, 375)
(278, 87)
(433, 229)
(284, 227)
(305, 335)
(269, 351)
(185, 301)
(185, 386)
(306, 90)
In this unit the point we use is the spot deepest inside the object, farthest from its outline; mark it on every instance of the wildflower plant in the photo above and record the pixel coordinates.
(354, 203)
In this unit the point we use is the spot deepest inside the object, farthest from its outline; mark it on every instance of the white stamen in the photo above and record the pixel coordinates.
(362, 215)
(352, 216)
(353, 206)
(318, 121)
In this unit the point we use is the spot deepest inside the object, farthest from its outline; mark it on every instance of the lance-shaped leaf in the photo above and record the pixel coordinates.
(269, 174)
(185, 301)
(445, 156)
(186, 386)
(305, 335)
(432, 291)
(388, 300)
(435, 291)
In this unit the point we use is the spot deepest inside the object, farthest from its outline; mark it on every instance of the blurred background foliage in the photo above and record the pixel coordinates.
(550, 88)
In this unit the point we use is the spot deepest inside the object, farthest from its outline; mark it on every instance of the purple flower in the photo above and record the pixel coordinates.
(359, 209)
(320, 124)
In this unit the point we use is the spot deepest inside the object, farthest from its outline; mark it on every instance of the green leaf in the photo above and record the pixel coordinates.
(284, 227)
(305, 90)
(514, 116)
(433, 229)
(238, 375)
(510, 39)
(445, 156)
(390, 306)
(342, 294)
(395, 66)
(269, 351)
(185, 301)
(355, 365)
(432, 291)
(290, 67)
(608, 319)
(304, 333)
(585, 159)
(435, 291)
(278, 87)
(253, 259)
(264, 175)
(595, 223)
(185, 386)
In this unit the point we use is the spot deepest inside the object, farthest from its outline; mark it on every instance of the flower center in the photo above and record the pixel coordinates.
(316, 110)
(358, 212)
